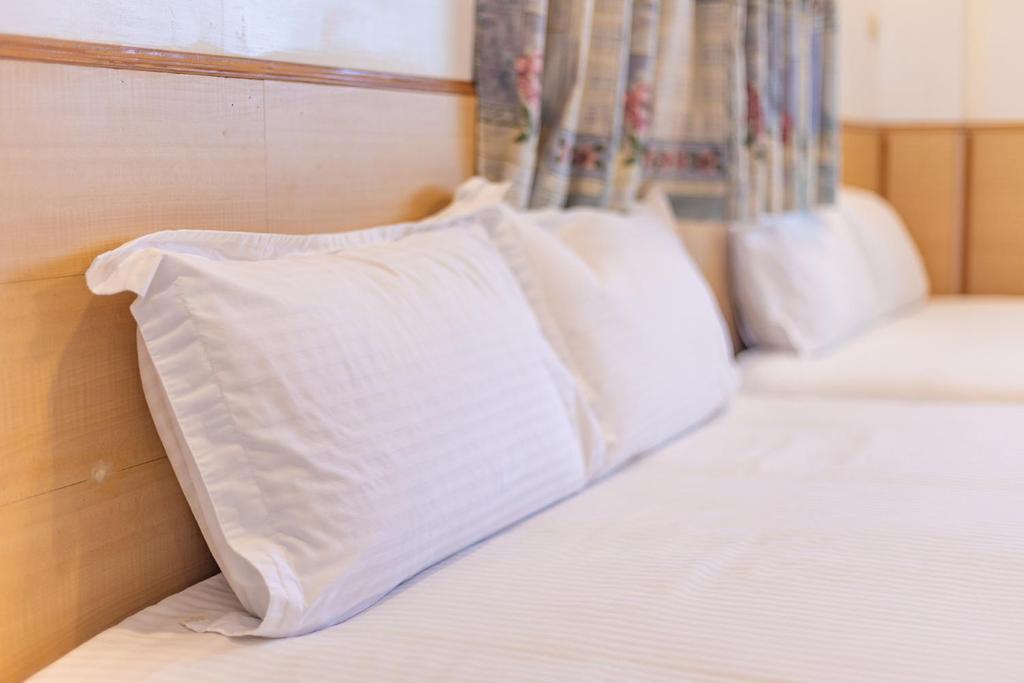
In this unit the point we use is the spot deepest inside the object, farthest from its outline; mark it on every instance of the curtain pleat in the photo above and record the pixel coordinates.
(729, 104)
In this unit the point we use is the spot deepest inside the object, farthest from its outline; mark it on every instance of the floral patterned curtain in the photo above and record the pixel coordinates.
(729, 104)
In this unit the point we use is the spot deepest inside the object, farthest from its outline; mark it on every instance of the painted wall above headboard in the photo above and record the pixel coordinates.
(421, 37)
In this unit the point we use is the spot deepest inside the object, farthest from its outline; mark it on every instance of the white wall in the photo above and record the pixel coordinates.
(923, 48)
(422, 37)
(931, 60)
(903, 60)
(858, 60)
(900, 60)
(995, 60)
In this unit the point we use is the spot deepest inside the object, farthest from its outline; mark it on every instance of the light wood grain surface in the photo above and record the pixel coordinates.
(920, 170)
(70, 399)
(924, 180)
(863, 162)
(417, 145)
(995, 242)
(81, 558)
(960, 187)
(708, 243)
(98, 156)
(93, 526)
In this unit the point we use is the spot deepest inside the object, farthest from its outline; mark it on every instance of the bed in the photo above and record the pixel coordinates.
(835, 302)
(789, 539)
(785, 540)
(950, 348)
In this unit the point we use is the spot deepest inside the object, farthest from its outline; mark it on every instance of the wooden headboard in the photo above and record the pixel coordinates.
(100, 144)
(960, 188)
(919, 168)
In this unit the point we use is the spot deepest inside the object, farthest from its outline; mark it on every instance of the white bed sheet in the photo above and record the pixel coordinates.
(950, 349)
(789, 540)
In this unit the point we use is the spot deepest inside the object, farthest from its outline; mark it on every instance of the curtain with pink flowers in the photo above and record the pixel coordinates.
(564, 91)
(729, 104)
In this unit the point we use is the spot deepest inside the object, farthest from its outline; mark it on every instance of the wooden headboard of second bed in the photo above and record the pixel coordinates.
(99, 144)
(959, 187)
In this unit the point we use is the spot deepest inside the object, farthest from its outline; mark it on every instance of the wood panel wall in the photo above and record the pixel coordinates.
(960, 189)
(93, 525)
(995, 238)
(708, 243)
(923, 178)
(863, 157)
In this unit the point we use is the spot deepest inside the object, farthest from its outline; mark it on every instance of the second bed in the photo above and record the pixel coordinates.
(950, 349)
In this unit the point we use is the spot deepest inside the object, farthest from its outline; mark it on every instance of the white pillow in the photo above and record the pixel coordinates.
(340, 421)
(891, 256)
(638, 324)
(475, 194)
(113, 272)
(800, 281)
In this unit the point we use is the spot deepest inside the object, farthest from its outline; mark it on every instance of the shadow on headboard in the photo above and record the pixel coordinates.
(93, 525)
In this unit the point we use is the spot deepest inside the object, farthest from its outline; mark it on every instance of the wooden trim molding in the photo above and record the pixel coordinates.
(998, 126)
(933, 126)
(936, 125)
(34, 49)
(860, 126)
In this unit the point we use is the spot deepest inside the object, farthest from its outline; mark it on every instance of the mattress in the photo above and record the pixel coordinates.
(952, 348)
(787, 540)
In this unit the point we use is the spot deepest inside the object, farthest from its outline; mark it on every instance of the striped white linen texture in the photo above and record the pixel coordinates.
(808, 282)
(952, 348)
(131, 267)
(631, 315)
(800, 541)
(642, 330)
(343, 420)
